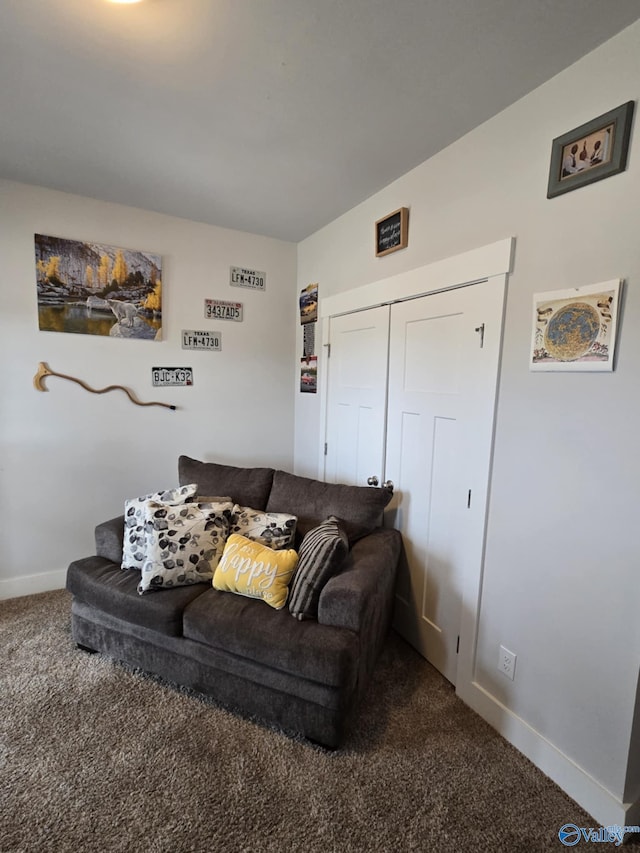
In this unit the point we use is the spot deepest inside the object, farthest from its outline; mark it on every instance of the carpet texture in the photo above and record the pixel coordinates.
(96, 757)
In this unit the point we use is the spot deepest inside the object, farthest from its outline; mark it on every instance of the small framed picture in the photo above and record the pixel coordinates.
(591, 152)
(392, 232)
(575, 329)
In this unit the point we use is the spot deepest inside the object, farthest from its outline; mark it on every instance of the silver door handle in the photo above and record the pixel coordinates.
(373, 481)
(388, 485)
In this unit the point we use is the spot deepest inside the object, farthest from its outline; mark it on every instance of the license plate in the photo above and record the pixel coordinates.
(161, 376)
(241, 277)
(218, 309)
(194, 339)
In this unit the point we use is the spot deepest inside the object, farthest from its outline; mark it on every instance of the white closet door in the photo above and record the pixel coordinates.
(411, 399)
(357, 396)
(441, 391)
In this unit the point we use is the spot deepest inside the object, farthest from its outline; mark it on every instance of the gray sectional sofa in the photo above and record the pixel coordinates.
(305, 677)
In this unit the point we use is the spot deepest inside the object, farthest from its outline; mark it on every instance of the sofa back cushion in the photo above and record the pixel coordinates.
(359, 508)
(245, 486)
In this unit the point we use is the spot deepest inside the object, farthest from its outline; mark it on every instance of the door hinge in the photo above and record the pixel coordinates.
(480, 330)
(458, 645)
(328, 346)
(469, 499)
(325, 448)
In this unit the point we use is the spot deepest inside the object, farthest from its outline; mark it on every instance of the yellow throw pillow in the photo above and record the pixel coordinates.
(255, 570)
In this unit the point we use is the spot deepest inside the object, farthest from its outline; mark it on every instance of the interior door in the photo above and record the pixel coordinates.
(411, 399)
(441, 391)
(357, 396)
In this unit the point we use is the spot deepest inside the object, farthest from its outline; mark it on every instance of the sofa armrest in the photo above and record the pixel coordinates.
(362, 593)
(361, 597)
(109, 538)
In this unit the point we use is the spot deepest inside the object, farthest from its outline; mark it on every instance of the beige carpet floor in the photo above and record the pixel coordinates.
(96, 757)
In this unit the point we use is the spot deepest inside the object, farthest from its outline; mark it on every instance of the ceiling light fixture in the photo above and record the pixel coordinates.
(125, 1)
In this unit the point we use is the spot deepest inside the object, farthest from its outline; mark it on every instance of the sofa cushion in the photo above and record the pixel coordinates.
(184, 543)
(246, 486)
(255, 570)
(359, 507)
(135, 522)
(102, 584)
(275, 529)
(246, 628)
(322, 553)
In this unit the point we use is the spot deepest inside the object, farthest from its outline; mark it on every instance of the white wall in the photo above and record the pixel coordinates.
(69, 458)
(561, 585)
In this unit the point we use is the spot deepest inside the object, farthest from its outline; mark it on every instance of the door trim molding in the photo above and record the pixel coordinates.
(490, 262)
(455, 271)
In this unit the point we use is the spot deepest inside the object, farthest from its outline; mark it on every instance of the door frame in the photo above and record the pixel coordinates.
(493, 261)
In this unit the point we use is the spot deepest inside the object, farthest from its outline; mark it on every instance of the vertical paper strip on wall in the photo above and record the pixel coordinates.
(309, 375)
(309, 304)
(309, 340)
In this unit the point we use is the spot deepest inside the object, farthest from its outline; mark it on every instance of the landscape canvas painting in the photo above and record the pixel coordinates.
(95, 289)
(575, 329)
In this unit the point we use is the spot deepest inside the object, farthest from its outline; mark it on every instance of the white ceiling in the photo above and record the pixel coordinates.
(268, 116)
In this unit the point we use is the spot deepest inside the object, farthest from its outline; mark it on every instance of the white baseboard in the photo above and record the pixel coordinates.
(31, 584)
(600, 803)
(633, 814)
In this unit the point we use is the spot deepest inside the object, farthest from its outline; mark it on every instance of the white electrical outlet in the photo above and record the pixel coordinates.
(507, 663)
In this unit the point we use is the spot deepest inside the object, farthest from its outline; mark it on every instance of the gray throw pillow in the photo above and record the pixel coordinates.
(320, 557)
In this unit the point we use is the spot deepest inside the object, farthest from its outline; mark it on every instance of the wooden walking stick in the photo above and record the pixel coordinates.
(44, 371)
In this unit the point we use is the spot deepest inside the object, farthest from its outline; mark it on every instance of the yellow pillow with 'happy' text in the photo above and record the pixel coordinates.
(255, 570)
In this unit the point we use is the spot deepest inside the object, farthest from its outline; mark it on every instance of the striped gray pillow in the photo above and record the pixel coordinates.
(321, 554)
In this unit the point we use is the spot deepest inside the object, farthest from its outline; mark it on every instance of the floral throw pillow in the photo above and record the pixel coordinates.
(134, 545)
(275, 529)
(184, 543)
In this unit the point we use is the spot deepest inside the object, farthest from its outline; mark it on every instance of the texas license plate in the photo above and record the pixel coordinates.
(194, 339)
(241, 277)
